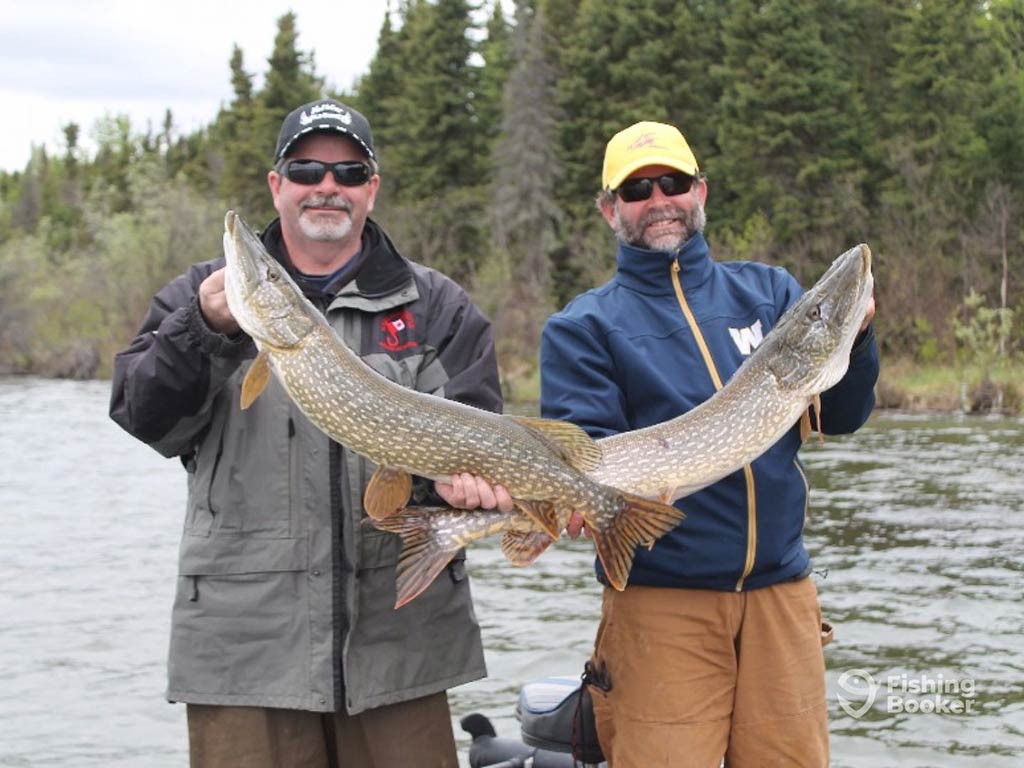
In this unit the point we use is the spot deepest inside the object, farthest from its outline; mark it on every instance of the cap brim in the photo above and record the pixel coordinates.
(635, 165)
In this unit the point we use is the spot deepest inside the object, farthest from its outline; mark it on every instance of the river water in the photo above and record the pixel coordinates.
(916, 527)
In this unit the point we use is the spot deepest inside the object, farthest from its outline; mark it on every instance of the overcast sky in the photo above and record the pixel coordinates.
(74, 61)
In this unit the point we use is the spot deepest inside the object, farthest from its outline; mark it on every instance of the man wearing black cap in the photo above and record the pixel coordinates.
(284, 642)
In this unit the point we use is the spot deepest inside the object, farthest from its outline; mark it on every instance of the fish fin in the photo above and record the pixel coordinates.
(637, 521)
(544, 514)
(387, 492)
(805, 421)
(425, 551)
(523, 547)
(255, 380)
(579, 449)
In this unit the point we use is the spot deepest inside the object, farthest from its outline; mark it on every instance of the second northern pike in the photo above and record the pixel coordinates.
(807, 352)
(541, 462)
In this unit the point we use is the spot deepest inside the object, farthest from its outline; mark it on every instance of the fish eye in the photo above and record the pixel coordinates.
(272, 275)
(815, 312)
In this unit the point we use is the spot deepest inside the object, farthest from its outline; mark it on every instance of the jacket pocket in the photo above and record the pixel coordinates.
(227, 554)
(243, 481)
(240, 624)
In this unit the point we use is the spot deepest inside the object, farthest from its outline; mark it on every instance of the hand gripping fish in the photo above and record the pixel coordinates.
(807, 352)
(541, 462)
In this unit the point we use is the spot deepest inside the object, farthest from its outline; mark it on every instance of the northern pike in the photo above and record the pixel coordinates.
(541, 462)
(805, 353)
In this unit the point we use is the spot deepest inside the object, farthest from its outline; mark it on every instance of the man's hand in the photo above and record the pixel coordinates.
(576, 525)
(213, 303)
(468, 491)
(868, 313)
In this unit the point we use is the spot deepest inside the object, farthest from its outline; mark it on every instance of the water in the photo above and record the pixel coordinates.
(918, 521)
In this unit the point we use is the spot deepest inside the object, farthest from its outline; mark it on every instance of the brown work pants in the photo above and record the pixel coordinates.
(698, 675)
(413, 733)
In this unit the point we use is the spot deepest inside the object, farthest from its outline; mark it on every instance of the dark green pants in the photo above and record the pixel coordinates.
(417, 732)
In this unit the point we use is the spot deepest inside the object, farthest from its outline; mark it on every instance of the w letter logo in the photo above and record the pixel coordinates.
(747, 339)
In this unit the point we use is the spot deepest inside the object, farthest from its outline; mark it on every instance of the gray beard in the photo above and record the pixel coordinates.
(693, 221)
(327, 231)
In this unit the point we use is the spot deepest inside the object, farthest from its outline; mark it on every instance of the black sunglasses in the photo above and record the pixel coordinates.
(672, 184)
(348, 173)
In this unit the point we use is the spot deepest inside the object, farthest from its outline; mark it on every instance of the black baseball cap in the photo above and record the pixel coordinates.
(324, 115)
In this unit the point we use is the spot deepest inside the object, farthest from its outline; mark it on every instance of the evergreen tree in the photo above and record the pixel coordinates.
(438, 141)
(243, 142)
(291, 77)
(378, 92)
(497, 57)
(789, 130)
(525, 216)
(938, 85)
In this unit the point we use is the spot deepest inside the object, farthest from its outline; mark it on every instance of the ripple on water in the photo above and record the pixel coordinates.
(917, 521)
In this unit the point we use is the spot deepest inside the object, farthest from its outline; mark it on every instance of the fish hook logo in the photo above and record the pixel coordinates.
(392, 326)
(859, 684)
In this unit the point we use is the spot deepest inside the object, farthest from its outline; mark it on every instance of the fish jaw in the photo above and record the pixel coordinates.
(263, 298)
(809, 350)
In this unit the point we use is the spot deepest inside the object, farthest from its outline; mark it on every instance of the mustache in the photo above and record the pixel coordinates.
(327, 201)
(662, 214)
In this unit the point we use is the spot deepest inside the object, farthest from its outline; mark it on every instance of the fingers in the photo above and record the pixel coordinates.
(868, 313)
(213, 303)
(505, 503)
(575, 525)
(447, 492)
(466, 491)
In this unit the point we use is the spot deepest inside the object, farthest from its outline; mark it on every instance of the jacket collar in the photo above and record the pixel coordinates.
(382, 270)
(649, 271)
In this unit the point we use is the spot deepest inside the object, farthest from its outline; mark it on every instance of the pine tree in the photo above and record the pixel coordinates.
(789, 130)
(377, 93)
(242, 143)
(438, 141)
(525, 216)
(497, 57)
(291, 78)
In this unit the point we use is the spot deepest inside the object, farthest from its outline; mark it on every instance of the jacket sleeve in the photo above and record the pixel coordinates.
(165, 380)
(846, 406)
(464, 366)
(577, 380)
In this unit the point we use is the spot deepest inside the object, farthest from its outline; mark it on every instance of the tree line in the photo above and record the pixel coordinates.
(819, 124)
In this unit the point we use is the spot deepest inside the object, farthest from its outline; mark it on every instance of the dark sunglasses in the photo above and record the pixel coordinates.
(348, 173)
(671, 184)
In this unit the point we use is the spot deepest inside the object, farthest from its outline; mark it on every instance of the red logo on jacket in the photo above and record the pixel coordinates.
(393, 326)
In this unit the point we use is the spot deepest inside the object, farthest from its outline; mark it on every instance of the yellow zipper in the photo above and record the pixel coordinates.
(748, 473)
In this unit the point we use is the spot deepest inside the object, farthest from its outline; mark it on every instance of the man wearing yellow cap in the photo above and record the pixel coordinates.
(714, 649)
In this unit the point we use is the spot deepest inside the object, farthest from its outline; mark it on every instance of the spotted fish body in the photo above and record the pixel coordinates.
(807, 352)
(540, 462)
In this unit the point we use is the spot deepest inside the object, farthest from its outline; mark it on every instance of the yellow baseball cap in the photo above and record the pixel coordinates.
(646, 144)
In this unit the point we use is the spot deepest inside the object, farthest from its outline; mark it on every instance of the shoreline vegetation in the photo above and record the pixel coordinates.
(902, 386)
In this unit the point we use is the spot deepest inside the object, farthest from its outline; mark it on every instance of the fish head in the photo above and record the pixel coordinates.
(814, 337)
(262, 296)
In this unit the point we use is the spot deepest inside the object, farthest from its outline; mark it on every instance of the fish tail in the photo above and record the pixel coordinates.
(624, 522)
(425, 550)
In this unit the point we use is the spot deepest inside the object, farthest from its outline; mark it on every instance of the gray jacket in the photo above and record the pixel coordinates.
(284, 597)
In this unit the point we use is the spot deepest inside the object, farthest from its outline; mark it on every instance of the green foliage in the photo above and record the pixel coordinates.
(791, 126)
(983, 333)
(819, 125)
